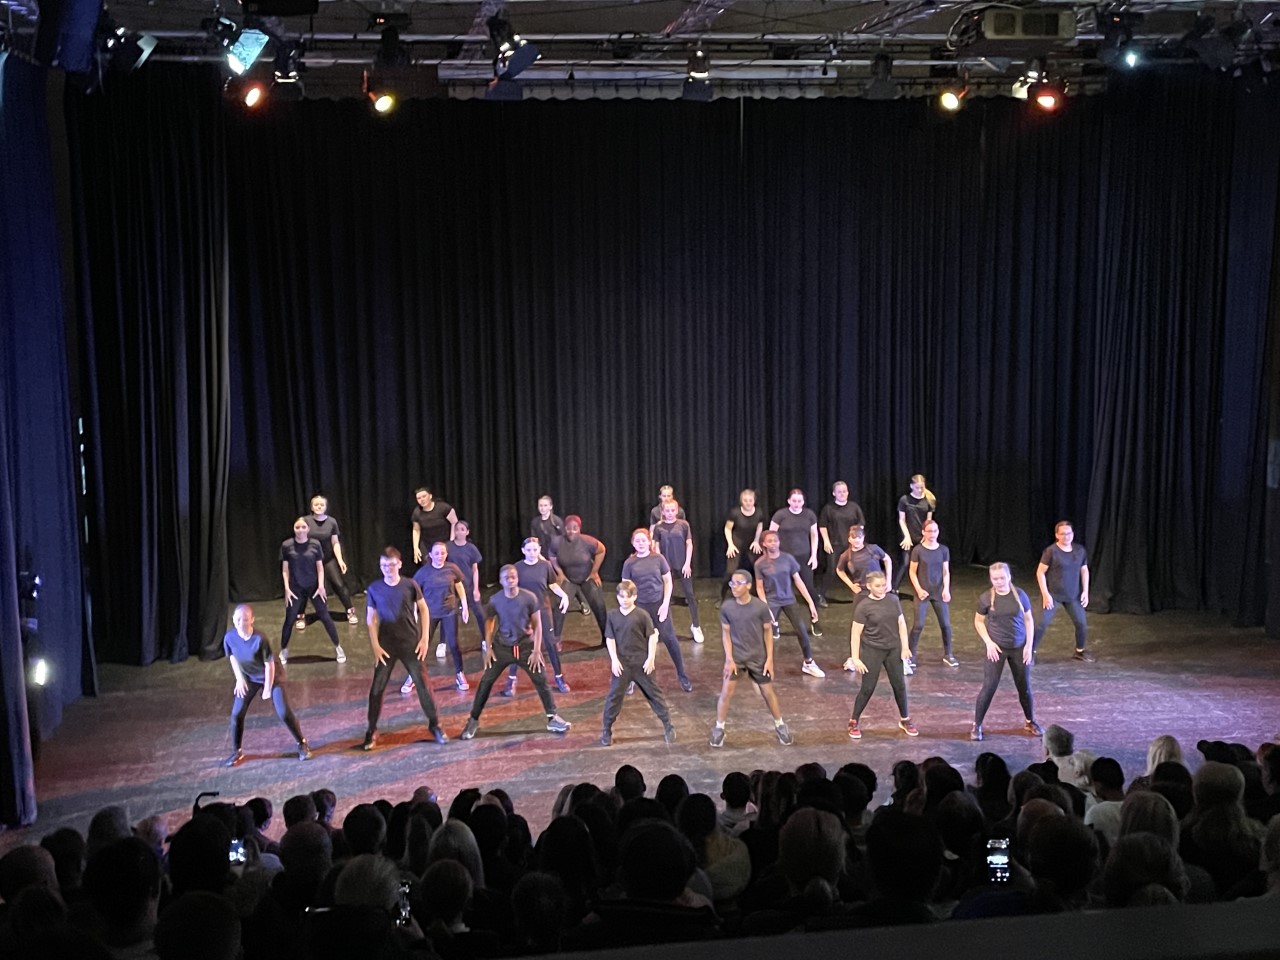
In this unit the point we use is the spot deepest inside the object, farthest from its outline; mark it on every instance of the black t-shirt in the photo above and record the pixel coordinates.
(1063, 575)
(301, 558)
(433, 524)
(929, 565)
(671, 539)
(655, 515)
(777, 575)
(514, 616)
(646, 573)
(746, 623)
(793, 530)
(917, 511)
(837, 520)
(1005, 625)
(546, 530)
(251, 654)
(536, 577)
(323, 532)
(744, 527)
(397, 609)
(437, 587)
(630, 634)
(464, 557)
(858, 563)
(879, 619)
(575, 557)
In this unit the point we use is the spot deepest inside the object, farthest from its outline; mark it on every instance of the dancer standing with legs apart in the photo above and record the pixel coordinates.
(1004, 623)
(577, 557)
(443, 588)
(255, 668)
(399, 627)
(324, 531)
(1063, 575)
(777, 573)
(797, 529)
(878, 638)
(536, 575)
(674, 540)
(632, 640)
(466, 556)
(651, 574)
(856, 563)
(834, 523)
(914, 508)
(746, 631)
(546, 526)
(742, 529)
(433, 520)
(931, 580)
(302, 568)
(513, 616)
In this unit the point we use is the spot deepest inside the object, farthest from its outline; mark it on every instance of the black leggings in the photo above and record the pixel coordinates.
(798, 620)
(294, 610)
(991, 671)
(891, 660)
(667, 634)
(943, 612)
(645, 683)
(505, 657)
(240, 706)
(337, 582)
(405, 652)
(589, 593)
(686, 588)
(806, 575)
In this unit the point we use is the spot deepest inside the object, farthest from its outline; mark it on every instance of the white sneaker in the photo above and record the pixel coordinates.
(460, 681)
(300, 623)
(441, 650)
(340, 653)
(352, 618)
(697, 635)
(812, 669)
(283, 656)
(407, 686)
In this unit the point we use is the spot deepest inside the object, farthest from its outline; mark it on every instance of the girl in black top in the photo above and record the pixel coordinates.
(302, 568)
(324, 531)
(742, 529)
(433, 522)
(1006, 626)
(914, 509)
(255, 668)
(797, 529)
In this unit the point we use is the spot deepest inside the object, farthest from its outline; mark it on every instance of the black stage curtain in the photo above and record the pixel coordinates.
(1048, 316)
(151, 194)
(38, 512)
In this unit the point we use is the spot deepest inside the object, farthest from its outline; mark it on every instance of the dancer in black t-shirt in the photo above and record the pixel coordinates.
(931, 581)
(797, 529)
(859, 560)
(742, 529)
(651, 574)
(914, 508)
(254, 665)
(777, 580)
(302, 569)
(632, 640)
(674, 539)
(746, 633)
(1005, 624)
(665, 492)
(537, 575)
(546, 526)
(324, 531)
(577, 557)
(878, 639)
(1063, 575)
(433, 520)
(833, 528)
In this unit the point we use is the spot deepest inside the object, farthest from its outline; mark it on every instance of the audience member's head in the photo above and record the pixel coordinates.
(958, 820)
(1269, 861)
(735, 791)
(810, 771)
(122, 880)
(671, 790)
(198, 926)
(368, 880)
(905, 854)
(460, 809)
(811, 847)
(1032, 812)
(198, 856)
(1145, 811)
(365, 829)
(565, 850)
(262, 812)
(26, 866)
(1062, 855)
(1107, 778)
(540, 907)
(423, 794)
(153, 832)
(1217, 785)
(306, 853)
(489, 827)
(641, 808)
(1058, 741)
(300, 809)
(865, 774)
(940, 779)
(455, 841)
(325, 802)
(107, 826)
(1163, 749)
(655, 862)
(446, 890)
(1137, 861)
(854, 797)
(696, 819)
(67, 848)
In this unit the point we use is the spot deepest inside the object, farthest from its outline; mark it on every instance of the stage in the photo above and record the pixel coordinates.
(157, 736)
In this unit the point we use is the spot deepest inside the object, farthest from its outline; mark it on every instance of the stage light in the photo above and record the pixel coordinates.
(125, 51)
(242, 47)
(253, 95)
(1047, 96)
(951, 98)
(699, 65)
(392, 54)
(513, 55)
(288, 73)
(882, 86)
(1131, 56)
(380, 95)
(40, 672)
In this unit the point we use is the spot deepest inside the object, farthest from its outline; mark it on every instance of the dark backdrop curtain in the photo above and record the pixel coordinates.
(151, 194)
(1048, 316)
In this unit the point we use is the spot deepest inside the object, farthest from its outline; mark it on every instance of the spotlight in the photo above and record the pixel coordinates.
(699, 91)
(699, 65)
(40, 671)
(1045, 95)
(252, 94)
(382, 97)
(242, 47)
(513, 54)
(1118, 47)
(882, 85)
(951, 99)
(125, 51)
(288, 73)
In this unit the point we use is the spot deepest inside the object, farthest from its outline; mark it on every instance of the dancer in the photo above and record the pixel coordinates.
(1063, 575)
(914, 508)
(392, 605)
(931, 580)
(302, 568)
(546, 526)
(797, 529)
(833, 527)
(577, 557)
(665, 492)
(746, 631)
(776, 574)
(632, 640)
(674, 540)
(252, 662)
(878, 638)
(443, 587)
(433, 520)
(324, 531)
(466, 555)
(1004, 623)
(651, 574)
(742, 529)
(512, 615)
(859, 560)
(536, 575)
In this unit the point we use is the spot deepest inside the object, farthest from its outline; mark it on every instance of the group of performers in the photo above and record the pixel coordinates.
(771, 573)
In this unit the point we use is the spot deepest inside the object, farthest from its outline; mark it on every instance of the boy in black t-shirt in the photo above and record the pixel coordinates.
(632, 640)
(746, 631)
(252, 662)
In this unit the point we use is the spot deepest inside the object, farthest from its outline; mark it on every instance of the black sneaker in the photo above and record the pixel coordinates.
(669, 733)
(606, 739)
(370, 741)
(717, 736)
(822, 603)
(304, 750)
(1084, 656)
(470, 729)
(234, 760)
(686, 685)
(438, 735)
(784, 734)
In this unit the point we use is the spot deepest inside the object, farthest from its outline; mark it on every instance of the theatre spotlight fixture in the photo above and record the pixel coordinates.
(381, 97)
(881, 86)
(513, 54)
(287, 84)
(249, 94)
(699, 65)
(952, 97)
(241, 47)
(392, 54)
(1045, 95)
(125, 51)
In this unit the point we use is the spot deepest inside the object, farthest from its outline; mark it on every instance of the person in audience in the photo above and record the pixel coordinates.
(724, 859)
(1268, 804)
(739, 812)
(1218, 835)
(107, 826)
(368, 918)
(1137, 862)
(905, 857)
(539, 905)
(1163, 748)
(811, 861)
(1060, 749)
(1107, 785)
(123, 883)
(628, 783)
(67, 848)
(1269, 862)
(199, 926)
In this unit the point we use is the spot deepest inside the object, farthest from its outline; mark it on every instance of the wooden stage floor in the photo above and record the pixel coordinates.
(157, 736)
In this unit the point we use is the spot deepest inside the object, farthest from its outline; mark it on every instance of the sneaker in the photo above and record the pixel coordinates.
(697, 634)
(557, 724)
(584, 610)
(510, 689)
(283, 657)
(470, 729)
(784, 735)
(406, 688)
(561, 686)
(438, 735)
(669, 733)
(975, 733)
(300, 623)
(1033, 729)
(339, 654)
(631, 688)
(234, 760)
(815, 628)
(908, 668)
(717, 736)
(822, 603)
(686, 685)
(460, 681)
(606, 739)
(304, 750)
(352, 618)
(1084, 656)
(812, 669)
(441, 650)
(855, 732)
(950, 661)
(370, 741)
(907, 727)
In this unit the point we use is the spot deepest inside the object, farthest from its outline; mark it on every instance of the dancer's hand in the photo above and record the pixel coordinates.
(993, 652)
(649, 665)
(242, 687)
(615, 665)
(379, 655)
(859, 666)
(536, 662)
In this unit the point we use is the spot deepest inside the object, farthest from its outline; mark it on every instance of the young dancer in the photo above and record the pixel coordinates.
(742, 529)
(931, 580)
(651, 574)
(776, 574)
(746, 632)
(878, 638)
(399, 626)
(466, 556)
(324, 531)
(513, 616)
(1063, 575)
(632, 640)
(1004, 622)
(433, 520)
(674, 540)
(797, 529)
(252, 662)
(665, 492)
(577, 557)
(443, 587)
(914, 508)
(833, 527)
(546, 526)
(858, 561)
(536, 575)
(302, 569)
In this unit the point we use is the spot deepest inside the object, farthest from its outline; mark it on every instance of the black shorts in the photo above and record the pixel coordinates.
(753, 670)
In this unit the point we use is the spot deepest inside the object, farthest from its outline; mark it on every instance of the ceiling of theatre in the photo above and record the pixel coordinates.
(778, 48)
